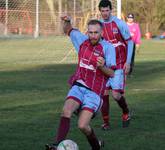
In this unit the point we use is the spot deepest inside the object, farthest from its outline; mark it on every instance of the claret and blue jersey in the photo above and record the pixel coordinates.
(87, 69)
(109, 54)
(116, 31)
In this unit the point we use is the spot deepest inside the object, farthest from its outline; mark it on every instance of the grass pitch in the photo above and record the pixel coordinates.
(33, 86)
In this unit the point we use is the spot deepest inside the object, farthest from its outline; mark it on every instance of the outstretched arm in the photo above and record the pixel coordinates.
(75, 35)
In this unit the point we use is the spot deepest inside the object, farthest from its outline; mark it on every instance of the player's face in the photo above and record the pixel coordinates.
(94, 33)
(105, 12)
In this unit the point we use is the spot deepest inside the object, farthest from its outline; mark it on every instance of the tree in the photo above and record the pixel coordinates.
(149, 13)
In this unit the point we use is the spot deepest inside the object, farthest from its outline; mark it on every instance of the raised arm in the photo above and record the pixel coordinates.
(67, 26)
(75, 35)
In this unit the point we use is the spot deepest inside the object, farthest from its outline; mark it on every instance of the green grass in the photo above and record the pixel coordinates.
(33, 86)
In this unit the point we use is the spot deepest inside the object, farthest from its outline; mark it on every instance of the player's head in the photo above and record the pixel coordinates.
(94, 31)
(105, 7)
(130, 18)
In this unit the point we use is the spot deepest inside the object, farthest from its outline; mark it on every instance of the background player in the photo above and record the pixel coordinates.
(136, 37)
(95, 57)
(116, 31)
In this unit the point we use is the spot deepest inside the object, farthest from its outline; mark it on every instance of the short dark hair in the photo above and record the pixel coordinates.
(105, 3)
(94, 22)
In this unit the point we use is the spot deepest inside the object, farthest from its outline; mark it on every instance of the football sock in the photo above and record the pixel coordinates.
(63, 129)
(93, 141)
(122, 103)
(105, 109)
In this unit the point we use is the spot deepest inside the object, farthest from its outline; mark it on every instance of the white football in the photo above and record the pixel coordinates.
(67, 145)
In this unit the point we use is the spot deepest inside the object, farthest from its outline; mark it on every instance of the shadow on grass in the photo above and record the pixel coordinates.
(30, 110)
(145, 71)
(51, 77)
(55, 76)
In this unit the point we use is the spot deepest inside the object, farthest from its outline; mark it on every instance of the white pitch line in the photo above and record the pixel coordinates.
(148, 89)
(66, 55)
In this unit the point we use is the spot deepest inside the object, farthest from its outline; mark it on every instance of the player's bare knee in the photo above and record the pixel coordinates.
(116, 95)
(67, 113)
(82, 127)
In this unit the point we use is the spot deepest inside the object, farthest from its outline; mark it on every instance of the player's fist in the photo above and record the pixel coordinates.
(65, 18)
(100, 61)
(127, 68)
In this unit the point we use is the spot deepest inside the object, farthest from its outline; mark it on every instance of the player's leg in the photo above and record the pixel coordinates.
(91, 105)
(118, 85)
(69, 107)
(83, 124)
(105, 111)
(120, 99)
(72, 103)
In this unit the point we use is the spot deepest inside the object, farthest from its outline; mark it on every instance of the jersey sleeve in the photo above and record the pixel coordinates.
(77, 38)
(124, 30)
(110, 55)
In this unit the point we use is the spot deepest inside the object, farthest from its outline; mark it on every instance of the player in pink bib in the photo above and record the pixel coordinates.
(136, 37)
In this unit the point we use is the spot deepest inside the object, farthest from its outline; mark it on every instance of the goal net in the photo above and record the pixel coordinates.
(42, 17)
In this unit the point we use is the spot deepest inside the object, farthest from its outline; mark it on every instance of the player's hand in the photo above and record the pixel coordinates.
(67, 26)
(65, 18)
(100, 61)
(127, 68)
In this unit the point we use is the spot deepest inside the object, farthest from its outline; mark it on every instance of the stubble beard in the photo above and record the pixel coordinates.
(94, 42)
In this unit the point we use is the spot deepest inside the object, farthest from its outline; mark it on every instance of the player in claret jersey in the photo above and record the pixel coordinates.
(116, 32)
(96, 60)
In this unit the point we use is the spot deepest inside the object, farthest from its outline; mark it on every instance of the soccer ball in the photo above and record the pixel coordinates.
(67, 145)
